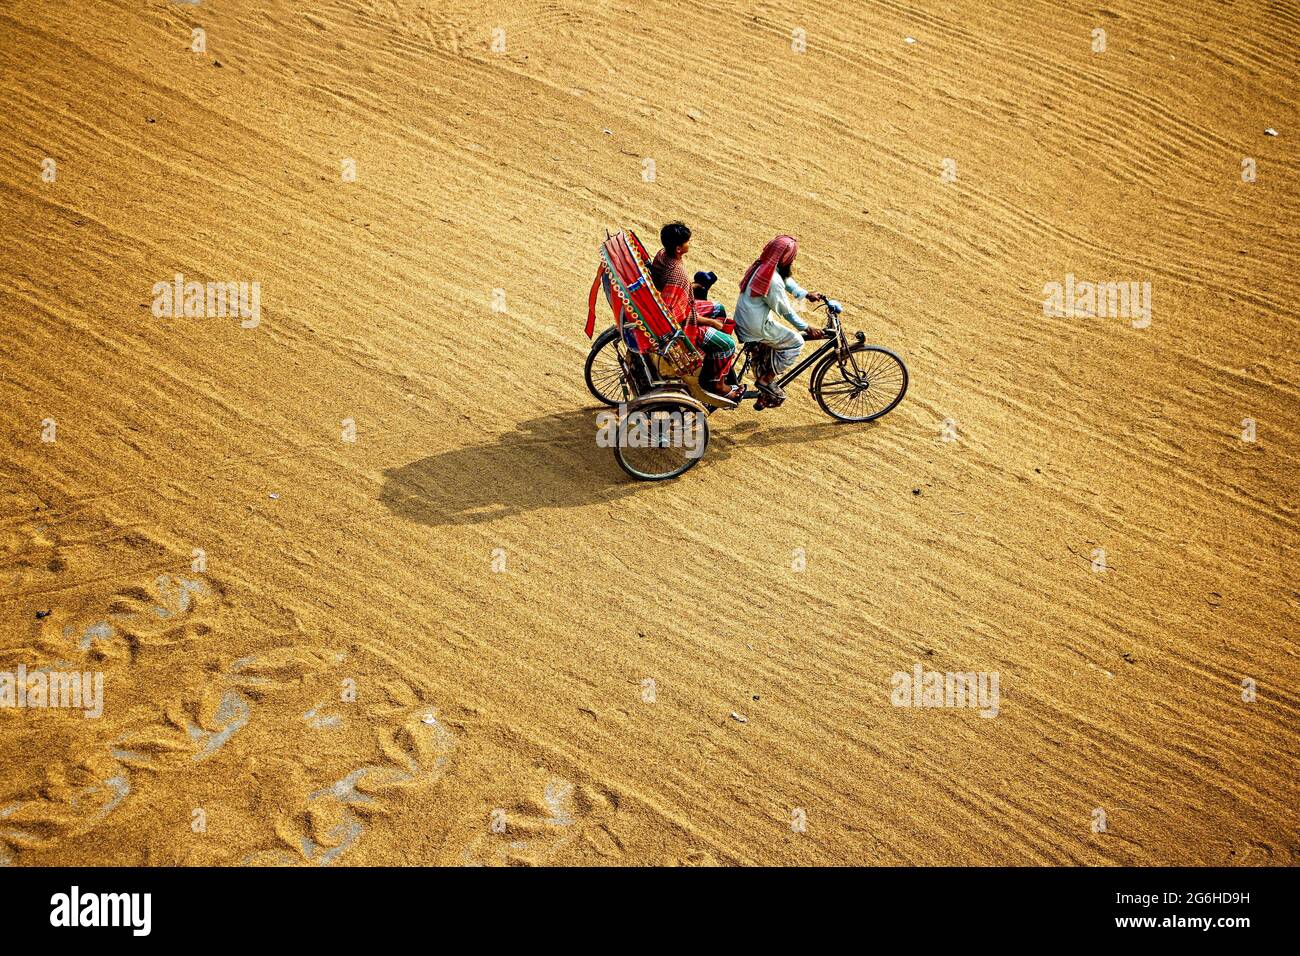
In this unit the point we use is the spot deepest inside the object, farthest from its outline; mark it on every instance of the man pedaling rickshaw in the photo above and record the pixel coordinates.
(761, 301)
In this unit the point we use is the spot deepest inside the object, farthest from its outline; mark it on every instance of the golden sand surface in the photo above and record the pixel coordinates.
(466, 636)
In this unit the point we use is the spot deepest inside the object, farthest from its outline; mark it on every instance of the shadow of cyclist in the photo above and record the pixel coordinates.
(750, 433)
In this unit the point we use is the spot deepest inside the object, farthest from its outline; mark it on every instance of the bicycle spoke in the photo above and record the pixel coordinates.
(867, 383)
(663, 442)
(606, 377)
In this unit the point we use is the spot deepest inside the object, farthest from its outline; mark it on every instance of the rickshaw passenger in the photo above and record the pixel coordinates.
(704, 330)
(705, 310)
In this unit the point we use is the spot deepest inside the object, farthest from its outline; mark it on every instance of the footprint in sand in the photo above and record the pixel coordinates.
(172, 609)
(318, 719)
(58, 812)
(535, 831)
(199, 724)
(55, 809)
(193, 731)
(187, 732)
(334, 818)
(231, 716)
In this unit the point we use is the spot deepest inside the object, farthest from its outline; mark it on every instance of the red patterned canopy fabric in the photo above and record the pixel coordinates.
(624, 274)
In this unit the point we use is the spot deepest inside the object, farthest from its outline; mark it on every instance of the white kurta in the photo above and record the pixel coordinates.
(757, 320)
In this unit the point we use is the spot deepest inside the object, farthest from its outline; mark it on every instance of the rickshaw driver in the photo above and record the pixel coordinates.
(761, 302)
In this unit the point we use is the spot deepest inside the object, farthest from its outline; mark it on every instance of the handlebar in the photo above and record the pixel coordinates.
(833, 308)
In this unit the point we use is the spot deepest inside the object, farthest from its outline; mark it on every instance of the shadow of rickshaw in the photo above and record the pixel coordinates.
(547, 462)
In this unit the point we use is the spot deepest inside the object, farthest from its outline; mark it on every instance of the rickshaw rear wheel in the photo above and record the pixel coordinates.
(671, 437)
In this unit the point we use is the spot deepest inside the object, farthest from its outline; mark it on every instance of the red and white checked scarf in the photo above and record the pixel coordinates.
(780, 251)
(675, 289)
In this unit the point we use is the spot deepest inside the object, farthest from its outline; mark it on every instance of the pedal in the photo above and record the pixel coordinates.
(721, 400)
